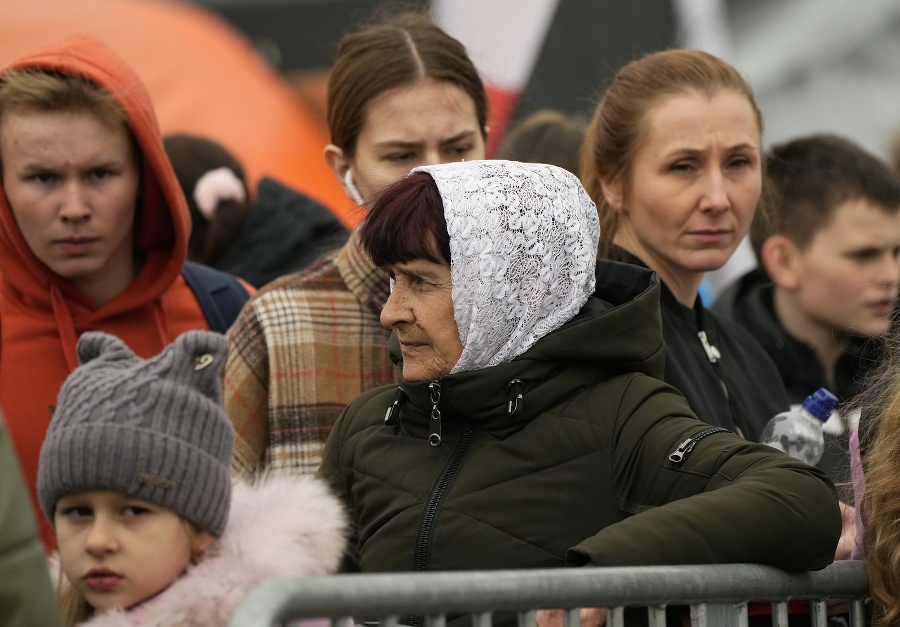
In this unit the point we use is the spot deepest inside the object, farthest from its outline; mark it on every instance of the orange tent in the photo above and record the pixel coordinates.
(204, 78)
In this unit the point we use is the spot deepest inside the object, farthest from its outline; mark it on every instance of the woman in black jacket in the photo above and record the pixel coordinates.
(673, 160)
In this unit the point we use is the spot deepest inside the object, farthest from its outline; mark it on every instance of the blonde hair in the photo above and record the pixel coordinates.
(28, 90)
(881, 498)
(617, 127)
(74, 607)
(43, 90)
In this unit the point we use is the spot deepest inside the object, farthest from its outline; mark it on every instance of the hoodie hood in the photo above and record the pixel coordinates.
(162, 221)
(278, 527)
(43, 314)
(619, 330)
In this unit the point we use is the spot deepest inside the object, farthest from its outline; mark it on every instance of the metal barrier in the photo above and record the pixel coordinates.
(717, 594)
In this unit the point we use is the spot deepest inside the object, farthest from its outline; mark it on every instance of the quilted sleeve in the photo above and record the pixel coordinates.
(722, 499)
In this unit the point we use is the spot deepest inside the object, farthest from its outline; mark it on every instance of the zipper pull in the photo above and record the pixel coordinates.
(683, 450)
(434, 438)
(516, 402)
(390, 416)
(712, 353)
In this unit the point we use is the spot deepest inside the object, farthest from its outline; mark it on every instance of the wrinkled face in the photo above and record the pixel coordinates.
(72, 181)
(423, 124)
(694, 186)
(420, 312)
(118, 551)
(848, 276)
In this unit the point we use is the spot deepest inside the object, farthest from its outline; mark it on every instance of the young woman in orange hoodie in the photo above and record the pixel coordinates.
(93, 228)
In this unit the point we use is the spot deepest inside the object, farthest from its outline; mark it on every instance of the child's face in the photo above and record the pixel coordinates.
(118, 551)
(848, 277)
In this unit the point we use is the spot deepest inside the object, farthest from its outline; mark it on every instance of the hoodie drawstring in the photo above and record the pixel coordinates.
(162, 322)
(67, 334)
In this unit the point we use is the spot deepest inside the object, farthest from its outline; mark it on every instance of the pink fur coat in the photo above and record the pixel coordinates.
(278, 527)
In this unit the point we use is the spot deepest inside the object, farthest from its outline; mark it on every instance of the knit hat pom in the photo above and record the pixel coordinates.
(153, 429)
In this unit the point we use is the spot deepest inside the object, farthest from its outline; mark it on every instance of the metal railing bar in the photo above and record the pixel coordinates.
(818, 614)
(780, 614)
(522, 590)
(857, 613)
(528, 618)
(699, 617)
(656, 616)
(482, 619)
(616, 617)
(436, 620)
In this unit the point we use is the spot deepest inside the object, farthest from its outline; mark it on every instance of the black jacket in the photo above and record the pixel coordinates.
(748, 302)
(729, 381)
(284, 232)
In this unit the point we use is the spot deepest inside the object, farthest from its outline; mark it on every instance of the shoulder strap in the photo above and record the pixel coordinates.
(221, 295)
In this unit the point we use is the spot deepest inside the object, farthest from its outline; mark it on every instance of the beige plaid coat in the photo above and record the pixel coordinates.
(304, 347)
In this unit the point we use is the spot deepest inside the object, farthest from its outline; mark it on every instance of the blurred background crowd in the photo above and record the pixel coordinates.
(252, 74)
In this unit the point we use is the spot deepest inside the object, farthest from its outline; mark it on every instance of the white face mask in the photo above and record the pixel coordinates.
(354, 194)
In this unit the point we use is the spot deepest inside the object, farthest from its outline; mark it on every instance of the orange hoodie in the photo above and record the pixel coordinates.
(42, 315)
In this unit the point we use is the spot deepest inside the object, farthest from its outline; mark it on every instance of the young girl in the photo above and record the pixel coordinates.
(134, 476)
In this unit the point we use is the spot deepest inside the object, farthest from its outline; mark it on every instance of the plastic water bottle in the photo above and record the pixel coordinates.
(798, 432)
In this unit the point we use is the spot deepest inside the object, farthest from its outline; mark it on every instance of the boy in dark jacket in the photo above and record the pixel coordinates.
(829, 274)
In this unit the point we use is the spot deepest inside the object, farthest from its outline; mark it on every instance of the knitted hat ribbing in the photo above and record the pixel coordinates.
(153, 429)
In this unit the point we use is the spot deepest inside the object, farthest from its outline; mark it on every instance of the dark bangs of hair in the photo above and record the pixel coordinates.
(406, 222)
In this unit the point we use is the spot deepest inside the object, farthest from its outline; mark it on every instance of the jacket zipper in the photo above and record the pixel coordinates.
(680, 454)
(436, 499)
(433, 506)
(714, 355)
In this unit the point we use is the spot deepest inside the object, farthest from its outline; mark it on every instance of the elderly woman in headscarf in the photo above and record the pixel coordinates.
(530, 427)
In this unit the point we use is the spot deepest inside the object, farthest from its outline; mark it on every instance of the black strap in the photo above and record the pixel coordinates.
(221, 295)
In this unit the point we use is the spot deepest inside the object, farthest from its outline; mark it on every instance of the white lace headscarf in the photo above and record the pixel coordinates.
(523, 246)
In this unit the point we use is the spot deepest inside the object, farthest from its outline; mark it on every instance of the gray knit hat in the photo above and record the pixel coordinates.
(153, 429)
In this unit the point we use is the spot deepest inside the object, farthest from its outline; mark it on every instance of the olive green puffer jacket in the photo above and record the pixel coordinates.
(27, 597)
(572, 453)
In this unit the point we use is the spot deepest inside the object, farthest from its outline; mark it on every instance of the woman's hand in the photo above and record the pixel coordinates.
(848, 532)
(590, 617)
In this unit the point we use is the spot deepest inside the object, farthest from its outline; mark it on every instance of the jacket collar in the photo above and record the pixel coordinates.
(694, 317)
(618, 331)
(750, 300)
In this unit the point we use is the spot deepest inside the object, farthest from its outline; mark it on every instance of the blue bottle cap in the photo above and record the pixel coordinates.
(820, 403)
